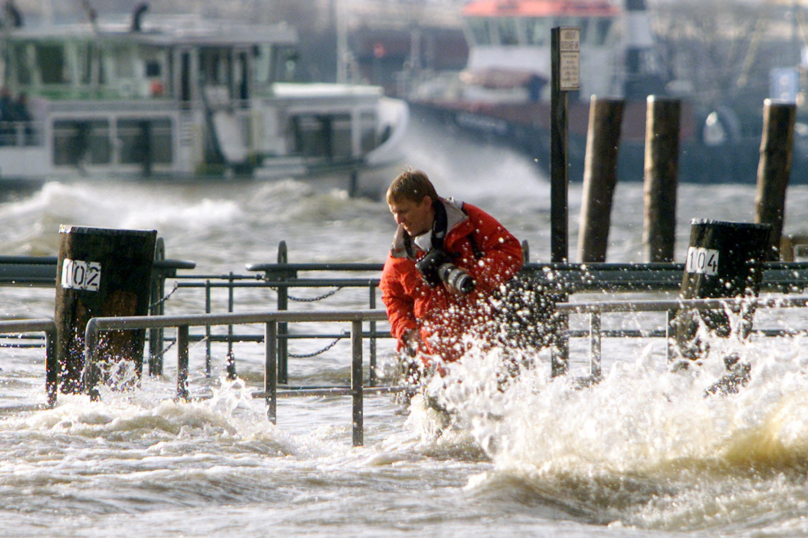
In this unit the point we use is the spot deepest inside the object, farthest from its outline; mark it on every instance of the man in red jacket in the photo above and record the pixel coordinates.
(446, 260)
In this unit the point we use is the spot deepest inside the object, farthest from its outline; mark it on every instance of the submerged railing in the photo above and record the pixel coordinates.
(357, 389)
(271, 320)
(595, 310)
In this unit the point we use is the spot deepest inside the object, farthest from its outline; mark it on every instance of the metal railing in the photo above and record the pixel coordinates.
(47, 326)
(669, 307)
(271, 320)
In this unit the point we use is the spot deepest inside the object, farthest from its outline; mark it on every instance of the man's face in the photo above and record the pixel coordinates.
(415, 217)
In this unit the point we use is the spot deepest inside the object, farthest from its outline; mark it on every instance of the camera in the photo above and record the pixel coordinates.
(436, 267)
(456, 278)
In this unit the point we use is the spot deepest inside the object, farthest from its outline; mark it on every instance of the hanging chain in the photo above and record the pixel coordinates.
(315, 299)
(310, 355)
(167, 295)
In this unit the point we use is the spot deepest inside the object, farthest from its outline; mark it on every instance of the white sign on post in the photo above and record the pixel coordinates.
(81, 275)
(570, 59)
(702, 261)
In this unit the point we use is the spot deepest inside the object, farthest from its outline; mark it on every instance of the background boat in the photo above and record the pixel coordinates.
(179, 97)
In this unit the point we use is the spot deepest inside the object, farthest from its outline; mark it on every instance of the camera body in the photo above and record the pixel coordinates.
(436, 267)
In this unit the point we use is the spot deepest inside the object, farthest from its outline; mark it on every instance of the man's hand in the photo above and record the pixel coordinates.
(411, 340)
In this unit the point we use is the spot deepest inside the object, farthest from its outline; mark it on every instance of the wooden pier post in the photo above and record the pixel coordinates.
(101, 273)
(661, 177)
(600, 177)
(774, 169)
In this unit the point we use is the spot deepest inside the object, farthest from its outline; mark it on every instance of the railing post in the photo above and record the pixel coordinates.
(182, 362)
(283, 328)
(89, 375)
(157, 308)
(670, 332)
(271, 370)
(231, 359)
(372, 372)
(51, 367)
(595, 345)
(207, 330)
(357, 392)
(561, 350)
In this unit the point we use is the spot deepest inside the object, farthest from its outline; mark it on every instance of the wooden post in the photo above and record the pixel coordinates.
(565, 75)
(559, 184)
(661, 176)
(100, 273)
(600, 178)
(774, 169)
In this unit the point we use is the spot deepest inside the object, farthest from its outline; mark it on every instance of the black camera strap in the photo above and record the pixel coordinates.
(439, 226)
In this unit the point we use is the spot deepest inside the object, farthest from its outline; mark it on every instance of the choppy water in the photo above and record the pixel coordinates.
(641, 454)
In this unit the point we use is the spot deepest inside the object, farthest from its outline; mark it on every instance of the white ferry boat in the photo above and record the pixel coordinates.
(181, 97)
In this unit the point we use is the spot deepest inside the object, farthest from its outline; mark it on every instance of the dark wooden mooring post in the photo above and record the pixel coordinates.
(600, 177)
(661, 177)
(774, 169)
(101, 273)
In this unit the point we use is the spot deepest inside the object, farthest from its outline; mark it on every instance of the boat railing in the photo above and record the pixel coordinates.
(22, 133)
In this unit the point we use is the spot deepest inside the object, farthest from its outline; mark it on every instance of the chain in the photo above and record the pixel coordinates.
(163, 353)
(310, 355)
(315, 299)
(167, 295)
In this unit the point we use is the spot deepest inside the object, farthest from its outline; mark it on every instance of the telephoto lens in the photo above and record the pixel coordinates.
(456, 278)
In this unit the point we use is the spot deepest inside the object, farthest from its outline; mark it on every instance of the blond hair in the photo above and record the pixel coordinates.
(411, 185)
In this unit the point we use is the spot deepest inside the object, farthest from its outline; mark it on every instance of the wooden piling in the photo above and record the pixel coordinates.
(661, 177)
(774, 169)
(101, 273)
(600, 177)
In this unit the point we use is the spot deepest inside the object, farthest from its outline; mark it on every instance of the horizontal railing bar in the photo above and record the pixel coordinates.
(677, 304)
(197, 320)
(27, 325)
(299, 392)
(292, 283)
(285, 267)
(260, 337)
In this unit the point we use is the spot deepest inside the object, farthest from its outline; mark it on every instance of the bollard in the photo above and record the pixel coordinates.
(774, 169)
(724, 259)
(100, 272)
(600, 178)
(661, 176)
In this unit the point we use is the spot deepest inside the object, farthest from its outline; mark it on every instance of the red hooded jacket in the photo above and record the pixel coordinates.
(479, 245)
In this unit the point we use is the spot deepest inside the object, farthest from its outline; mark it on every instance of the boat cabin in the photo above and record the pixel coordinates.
(185, 97)
(510, 46)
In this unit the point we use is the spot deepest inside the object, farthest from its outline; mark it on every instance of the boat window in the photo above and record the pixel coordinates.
(52, 65)
(84, 62)
(285, 64)
(508, 34)
(480, 29)
(153, 68)
(262, 61)
(21, 61)
(537, 31)
(119, 61)
(145, 142)
(324, 136)
(600, 31)
(367, 129)
(80, 142)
